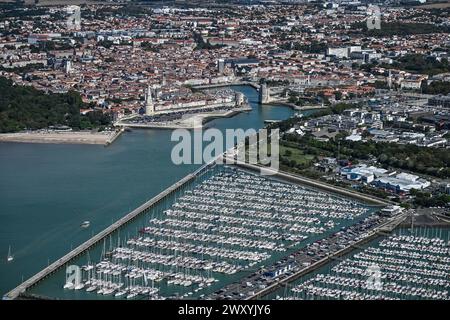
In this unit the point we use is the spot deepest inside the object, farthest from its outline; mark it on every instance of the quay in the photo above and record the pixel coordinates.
(193, 122)
(61, 137)
(21, 289)
(275, 102)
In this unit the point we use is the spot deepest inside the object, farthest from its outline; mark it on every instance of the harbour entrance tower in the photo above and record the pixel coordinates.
(264, 96)
(149, 105)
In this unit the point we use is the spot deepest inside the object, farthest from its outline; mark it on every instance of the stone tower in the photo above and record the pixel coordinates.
(149, 106)
(264, 96)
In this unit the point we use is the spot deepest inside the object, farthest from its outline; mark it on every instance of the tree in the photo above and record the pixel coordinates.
(23, 107)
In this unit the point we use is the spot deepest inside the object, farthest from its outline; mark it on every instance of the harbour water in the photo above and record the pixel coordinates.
(48, 190)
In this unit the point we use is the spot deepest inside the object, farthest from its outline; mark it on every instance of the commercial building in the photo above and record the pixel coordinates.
(401, 183)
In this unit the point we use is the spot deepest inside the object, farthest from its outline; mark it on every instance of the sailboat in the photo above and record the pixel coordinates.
(85, 224)
(10, 256)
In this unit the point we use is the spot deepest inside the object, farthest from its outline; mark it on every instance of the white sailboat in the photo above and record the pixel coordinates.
(85, 224)
(79, 286)
(10, 256)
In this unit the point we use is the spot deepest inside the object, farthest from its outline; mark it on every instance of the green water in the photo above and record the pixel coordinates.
(47, 190)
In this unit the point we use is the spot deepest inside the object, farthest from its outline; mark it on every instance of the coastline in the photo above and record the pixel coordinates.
(71, 137)
(194, 121)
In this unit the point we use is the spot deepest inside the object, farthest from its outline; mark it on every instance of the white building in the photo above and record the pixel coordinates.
(402, 183)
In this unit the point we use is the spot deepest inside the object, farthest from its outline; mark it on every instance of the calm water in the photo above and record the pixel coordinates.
(47, 190)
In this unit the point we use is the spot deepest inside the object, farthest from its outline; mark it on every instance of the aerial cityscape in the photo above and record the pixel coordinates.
(243, 150)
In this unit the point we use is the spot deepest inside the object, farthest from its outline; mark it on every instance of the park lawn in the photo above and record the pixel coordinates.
(297, 155)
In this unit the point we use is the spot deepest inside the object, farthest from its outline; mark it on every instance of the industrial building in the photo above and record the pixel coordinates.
(383, 179)
(401, 183)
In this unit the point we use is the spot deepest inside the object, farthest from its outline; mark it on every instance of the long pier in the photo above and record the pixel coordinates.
(196, 120)
(20, 289)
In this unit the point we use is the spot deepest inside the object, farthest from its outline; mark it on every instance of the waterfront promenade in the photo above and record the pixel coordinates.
(23, 287)
(193, 121)
(226, 84)
(69, 137)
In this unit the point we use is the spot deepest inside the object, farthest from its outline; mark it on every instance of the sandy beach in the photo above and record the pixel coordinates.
(71, 137)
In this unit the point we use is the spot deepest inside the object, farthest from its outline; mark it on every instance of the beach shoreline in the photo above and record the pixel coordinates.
(70, 137)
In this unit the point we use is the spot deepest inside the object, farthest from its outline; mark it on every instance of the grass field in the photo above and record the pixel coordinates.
(296, 154)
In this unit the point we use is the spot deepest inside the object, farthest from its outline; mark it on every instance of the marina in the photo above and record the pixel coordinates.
(215, 229)
(112, 181)
(406, 265)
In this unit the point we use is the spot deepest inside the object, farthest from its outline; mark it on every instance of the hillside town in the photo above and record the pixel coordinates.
(149, 66)
(348, 99)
